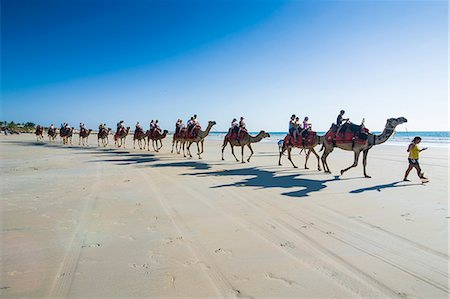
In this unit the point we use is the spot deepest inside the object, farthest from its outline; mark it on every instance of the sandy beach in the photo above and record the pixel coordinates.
(105, 222)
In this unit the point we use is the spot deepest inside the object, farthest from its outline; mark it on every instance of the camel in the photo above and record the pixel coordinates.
(52, 134)
(139, 135)
(103, 135)
(304, 144)
(39, 133)
(200, 138)
(356, 146)
(177, 139)
(83, 137)
(155, 137)
(66, 135)
(245, 140)
(120, 136)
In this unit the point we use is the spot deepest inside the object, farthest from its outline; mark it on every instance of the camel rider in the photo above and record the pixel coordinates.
(234, 126)
(139, 127)
(296, 128)
(152, 125)
(193, 124)
(120, 125)
(100, 127)
(339, 120)
(52, 127)
(306, 127)
(242, 128)
(190, 125)
(178, 126)
(157, 127)
(291, 124)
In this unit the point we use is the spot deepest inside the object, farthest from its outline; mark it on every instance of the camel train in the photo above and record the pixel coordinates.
(346, 136)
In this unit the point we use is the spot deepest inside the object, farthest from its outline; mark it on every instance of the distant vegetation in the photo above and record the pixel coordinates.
(11, 126)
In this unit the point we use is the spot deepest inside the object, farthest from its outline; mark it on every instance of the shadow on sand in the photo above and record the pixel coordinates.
(384, 186)
(262, 179)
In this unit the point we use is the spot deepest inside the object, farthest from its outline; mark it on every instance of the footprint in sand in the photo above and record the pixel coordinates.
(285, 281)
(287, 244)
(91, 245)
(224, 251)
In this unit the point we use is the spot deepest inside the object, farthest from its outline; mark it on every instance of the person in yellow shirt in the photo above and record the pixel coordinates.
(413, 158)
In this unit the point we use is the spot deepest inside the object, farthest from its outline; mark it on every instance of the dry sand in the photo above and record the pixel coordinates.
(95, 222)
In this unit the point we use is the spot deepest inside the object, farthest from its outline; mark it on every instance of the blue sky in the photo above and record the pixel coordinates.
(102, 61)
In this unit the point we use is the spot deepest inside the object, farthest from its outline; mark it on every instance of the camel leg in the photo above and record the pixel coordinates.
(224, 145)
(365, 152)
(198, 151)
(79, 139)
(251, 152)
(355, 162)
(318, 159)
(242, 154)
(160, 141)
(289, 149)
(324, 159)
(306, 159)
(232, 151)
(283, 149)
(203, 145)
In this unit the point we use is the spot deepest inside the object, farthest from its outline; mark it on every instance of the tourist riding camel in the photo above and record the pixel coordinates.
(198, 136)
(84, 134)
(245, 140)
(39, 133)
(351, 137)
(306, 139)
(103, 134)
(139, 135)
(52, 133)
(177, 136)
(66, 134)
(156, 136)
(121, 134)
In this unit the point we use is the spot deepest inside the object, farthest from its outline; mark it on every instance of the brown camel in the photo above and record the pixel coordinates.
(83, 137)
(200, 138)
(155, 136)
(103, 135)
(52, 134)
(245, 140)
(66, 135)
(139, 135)
(307, 143)
(39, 133)
(357, 145)
(120, 136)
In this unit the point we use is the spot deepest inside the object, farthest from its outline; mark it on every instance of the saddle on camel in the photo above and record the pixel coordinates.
(234, 134)
(307, 138)
(347, 133)
(191, 133)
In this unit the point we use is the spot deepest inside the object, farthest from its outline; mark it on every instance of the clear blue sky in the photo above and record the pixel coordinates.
(98, 61)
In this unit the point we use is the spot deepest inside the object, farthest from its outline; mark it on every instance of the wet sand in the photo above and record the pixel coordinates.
(105, 222)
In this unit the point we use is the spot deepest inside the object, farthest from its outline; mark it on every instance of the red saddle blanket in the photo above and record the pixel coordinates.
(347, 137)
(301, 141)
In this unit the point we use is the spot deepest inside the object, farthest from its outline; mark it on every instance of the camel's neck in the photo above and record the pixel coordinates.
(384, 136)
(203, 134)
(257, 138)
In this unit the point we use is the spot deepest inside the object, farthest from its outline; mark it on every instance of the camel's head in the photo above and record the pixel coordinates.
(392, 123)
(211, 123)
(264, 134)
(165, 132)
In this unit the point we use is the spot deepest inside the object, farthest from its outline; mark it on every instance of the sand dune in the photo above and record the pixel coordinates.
(104, 222)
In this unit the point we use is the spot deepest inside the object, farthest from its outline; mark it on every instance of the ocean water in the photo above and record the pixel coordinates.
(429, 139)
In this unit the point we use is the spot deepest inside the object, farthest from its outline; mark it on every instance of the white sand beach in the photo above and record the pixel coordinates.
(106, 222)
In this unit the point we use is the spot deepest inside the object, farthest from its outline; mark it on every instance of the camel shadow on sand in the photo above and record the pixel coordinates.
(264, 179)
